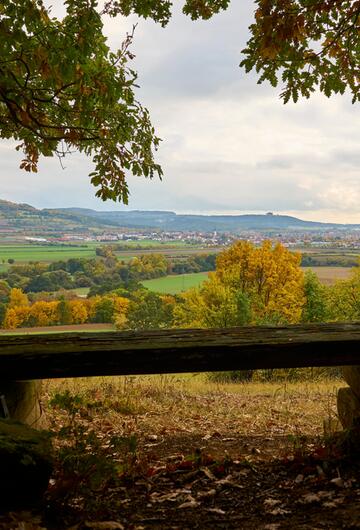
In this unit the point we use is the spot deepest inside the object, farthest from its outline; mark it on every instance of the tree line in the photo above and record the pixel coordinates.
(102, 274)
(139, 309)
(251, 285)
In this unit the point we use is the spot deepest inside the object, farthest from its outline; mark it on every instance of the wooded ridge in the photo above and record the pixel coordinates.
(26, 217)
(41, 356)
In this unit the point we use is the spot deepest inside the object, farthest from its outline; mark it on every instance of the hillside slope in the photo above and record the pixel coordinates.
(25, 218)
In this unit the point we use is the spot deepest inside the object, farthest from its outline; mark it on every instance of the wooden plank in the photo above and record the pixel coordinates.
(44, 356)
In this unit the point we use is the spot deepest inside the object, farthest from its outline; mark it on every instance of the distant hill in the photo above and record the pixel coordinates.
(26, 218)
(15, 218)
(170, 221)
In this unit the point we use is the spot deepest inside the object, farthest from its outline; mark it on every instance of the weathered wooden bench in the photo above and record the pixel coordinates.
(54, 355)
(40, 356)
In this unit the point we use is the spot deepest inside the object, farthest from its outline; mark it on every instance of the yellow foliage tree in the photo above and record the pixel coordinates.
(16, 317)
(79, 312)
(270, 275)
(18, 298)
(44, 313)
(121, 306)
(213, 304)
(11, 320)
(17, 311)
(91, 306)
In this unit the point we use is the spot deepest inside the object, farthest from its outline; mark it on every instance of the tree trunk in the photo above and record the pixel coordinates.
(19, 400)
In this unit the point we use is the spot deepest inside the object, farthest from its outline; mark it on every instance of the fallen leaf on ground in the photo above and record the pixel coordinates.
(269, 503)
(279, 511)
(219, 511)
(189, 504)
(338, 481)
(206, 494)
(208, 473)
(104, 525)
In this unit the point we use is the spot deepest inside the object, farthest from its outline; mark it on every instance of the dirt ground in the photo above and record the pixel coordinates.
(254, 458)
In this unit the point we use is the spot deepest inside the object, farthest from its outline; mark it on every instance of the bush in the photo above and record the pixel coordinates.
(232, 376)
(276, 375)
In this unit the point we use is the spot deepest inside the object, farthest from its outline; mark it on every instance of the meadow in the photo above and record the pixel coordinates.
(23, 253)
(80, 291)
(44, 253)
(176, 283)
(193, 405)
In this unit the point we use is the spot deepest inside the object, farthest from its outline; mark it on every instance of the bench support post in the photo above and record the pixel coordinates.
(20, 401)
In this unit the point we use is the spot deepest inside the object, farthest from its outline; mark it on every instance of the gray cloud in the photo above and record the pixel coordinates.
(347, 158)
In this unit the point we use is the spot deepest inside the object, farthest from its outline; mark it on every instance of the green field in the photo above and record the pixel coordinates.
(48, 253)
(80, 291)
(176, 283)
(44, 253)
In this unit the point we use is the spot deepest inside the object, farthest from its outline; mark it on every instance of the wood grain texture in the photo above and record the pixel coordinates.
(170, 351)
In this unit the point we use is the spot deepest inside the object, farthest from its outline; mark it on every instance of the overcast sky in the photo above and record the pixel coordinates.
(229, 145)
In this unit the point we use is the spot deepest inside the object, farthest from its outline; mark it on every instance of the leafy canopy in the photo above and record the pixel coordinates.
(62, 89)
(308, 44)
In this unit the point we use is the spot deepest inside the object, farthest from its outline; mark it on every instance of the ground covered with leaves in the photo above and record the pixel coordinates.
(180, 452)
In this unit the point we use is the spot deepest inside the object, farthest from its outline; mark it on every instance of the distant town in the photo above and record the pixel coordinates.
(321, 239)
(22, 223)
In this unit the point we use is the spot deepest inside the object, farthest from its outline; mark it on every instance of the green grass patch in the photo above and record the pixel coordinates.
(176, 283)
(80, 291)
(43, 253)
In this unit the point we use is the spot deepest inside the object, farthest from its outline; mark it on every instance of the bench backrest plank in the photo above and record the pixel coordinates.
(42, 356)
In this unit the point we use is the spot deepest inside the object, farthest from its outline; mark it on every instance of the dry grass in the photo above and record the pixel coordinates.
(161, 410)
(329, 275)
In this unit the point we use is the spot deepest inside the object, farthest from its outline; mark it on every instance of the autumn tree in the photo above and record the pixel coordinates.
(12, 318)
(269, 275)
(64, 311)
(2, 313)
(316, 307)
(104, 310)
(121, 306)
(148, 310)
(17, 298)
(78, 311)
(148, 266)
(213, 305)
(344, 298)
(44, 313)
